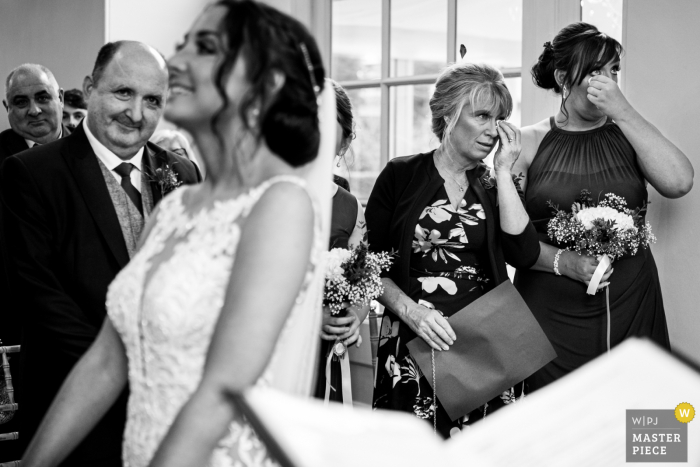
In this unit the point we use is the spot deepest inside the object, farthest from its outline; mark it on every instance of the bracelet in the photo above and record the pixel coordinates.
(556, 262)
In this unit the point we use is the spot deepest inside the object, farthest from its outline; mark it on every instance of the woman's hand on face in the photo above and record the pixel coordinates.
(431, 326)
(582, 267)
(345, 329)
(605, 94)
(509, 146)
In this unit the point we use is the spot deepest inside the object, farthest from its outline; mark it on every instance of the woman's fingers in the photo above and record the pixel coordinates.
(607, 275)
(328, 337)
(355, 328)
(352, 338)
(341, 321)
(434, 340)
(336, 330)
(505, 135)
(512, 132)
(445, 326)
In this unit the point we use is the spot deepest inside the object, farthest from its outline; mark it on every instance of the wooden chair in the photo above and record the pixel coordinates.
(8, 406)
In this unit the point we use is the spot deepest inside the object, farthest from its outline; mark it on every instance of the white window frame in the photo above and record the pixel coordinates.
(386, 81)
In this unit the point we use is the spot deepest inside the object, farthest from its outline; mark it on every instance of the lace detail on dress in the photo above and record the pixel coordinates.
(165, 304)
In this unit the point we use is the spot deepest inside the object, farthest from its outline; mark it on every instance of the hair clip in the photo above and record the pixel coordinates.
(548, 45)
(309, 67)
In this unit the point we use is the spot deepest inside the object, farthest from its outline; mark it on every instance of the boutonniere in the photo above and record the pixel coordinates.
(166, 178)
(488, 180)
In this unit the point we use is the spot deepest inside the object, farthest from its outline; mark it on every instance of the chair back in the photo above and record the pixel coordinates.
(8, 406)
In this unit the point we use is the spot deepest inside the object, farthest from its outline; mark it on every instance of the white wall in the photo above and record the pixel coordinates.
(542, 19)
(659, 76)
(63, 35)
(159, 23)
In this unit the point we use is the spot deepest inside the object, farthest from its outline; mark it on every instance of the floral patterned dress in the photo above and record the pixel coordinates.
(449, 270)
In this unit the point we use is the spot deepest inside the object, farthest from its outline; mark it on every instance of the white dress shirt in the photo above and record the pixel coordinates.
(111, 160)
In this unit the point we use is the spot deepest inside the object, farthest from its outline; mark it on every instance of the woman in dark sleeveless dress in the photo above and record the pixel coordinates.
(599, 142)
(347, 229)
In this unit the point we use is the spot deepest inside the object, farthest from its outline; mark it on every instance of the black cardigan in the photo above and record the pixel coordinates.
(406, 186)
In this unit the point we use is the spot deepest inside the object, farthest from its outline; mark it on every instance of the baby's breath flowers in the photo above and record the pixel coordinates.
(353, 276)
(607, 228)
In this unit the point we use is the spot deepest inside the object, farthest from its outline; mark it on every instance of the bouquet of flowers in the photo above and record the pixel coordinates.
(352, 276)
(608, 228)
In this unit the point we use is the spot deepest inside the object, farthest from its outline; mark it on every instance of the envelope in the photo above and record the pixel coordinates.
(499, 344)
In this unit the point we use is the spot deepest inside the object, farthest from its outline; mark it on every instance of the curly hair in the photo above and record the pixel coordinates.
(272, 42)
(577, 50)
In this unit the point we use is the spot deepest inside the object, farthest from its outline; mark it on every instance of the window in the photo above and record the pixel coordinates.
(388, 53)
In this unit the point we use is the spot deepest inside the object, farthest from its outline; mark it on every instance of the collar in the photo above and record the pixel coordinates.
(108, 158)
(31, 143)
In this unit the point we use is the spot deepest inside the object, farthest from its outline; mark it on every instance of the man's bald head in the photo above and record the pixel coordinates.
(110, 49)
(29, 69)
(34, 103)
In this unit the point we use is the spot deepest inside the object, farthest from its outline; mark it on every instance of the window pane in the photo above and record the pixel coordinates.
(606, 15)
(363, 157)
(491, 30)
(357, 40)
(418, 36)
(515, 86)
(410, 120)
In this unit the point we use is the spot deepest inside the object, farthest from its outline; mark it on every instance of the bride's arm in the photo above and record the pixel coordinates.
(86, 395)
(271, 262)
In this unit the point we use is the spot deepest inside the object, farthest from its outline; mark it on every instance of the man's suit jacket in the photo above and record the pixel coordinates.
(10, 331)
(66, 247)
(12, 143)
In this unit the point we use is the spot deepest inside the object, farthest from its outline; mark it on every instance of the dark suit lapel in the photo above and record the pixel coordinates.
(474, 177)
(83, 164)
(151, 161)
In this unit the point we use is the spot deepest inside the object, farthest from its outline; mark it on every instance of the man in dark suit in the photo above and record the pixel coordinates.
(34, 103)
(77, 209)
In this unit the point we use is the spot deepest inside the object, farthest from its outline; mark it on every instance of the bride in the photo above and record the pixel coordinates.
(224, 292)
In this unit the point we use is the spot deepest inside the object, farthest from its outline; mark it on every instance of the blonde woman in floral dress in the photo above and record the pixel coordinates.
(454, 225)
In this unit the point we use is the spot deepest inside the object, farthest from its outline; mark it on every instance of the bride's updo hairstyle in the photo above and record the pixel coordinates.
(577, 50)
(273, 43)
(480, 85)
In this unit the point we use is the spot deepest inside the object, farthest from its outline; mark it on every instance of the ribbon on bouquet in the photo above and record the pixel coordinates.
(339, 350)
(603, 266)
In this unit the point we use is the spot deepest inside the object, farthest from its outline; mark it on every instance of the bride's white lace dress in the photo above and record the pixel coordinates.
(165, 304)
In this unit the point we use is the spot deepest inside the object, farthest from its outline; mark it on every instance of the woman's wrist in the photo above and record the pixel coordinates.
(502, 172)
(565, 263)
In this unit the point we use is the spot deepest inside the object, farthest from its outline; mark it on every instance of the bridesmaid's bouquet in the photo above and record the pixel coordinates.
(353, 276)
(607, 229)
